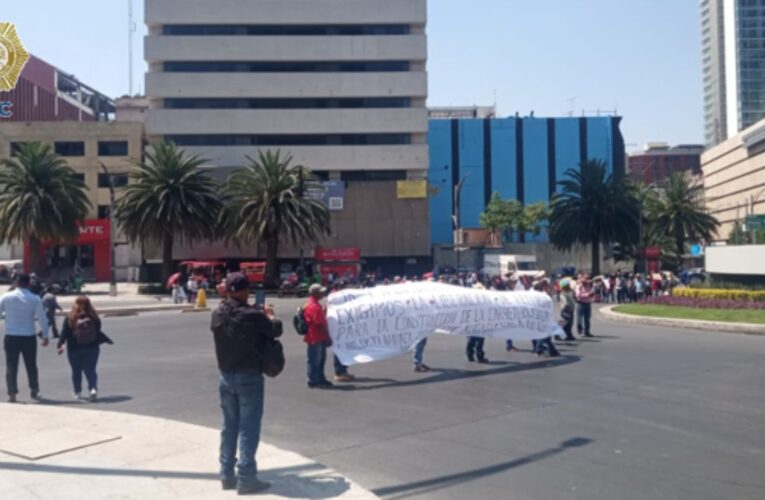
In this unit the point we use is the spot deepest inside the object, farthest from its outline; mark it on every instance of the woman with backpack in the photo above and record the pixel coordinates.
(81, 332)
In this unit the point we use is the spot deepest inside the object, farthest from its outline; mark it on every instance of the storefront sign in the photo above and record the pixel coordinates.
(331, 193)
(13, 57)
(94, 230)
(351, 254)
(412, 189)
(6, 109)
(373, 324)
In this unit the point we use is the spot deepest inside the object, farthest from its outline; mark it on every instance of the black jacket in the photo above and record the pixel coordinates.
(240, 332)
(67, 336)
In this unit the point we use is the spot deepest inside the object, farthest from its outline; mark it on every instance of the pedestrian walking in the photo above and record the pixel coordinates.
(241, 333)
(418, 356)
(317, 338)
(545, 346)
(584, 297)
(50, 305)
(21, 308)
(567, 311)
(81, 332)
(193, 289)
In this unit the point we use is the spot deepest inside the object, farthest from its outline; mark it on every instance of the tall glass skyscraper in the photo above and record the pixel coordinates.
(733, 39)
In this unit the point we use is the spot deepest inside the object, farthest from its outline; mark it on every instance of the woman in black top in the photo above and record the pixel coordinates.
(81, 332)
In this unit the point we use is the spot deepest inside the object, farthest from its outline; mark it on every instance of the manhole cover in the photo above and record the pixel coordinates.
(51, 442)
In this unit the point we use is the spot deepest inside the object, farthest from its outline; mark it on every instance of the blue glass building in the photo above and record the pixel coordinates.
(520, 158)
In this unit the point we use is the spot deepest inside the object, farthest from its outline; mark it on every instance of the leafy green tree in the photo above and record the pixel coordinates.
(169, 198)
(532, 218)
(594, 208)
(738, 236)
(678, 209)
(507, 216)
(263, 202)
(41, 198)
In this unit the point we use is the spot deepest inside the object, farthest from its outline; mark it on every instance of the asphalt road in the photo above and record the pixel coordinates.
(636, 413)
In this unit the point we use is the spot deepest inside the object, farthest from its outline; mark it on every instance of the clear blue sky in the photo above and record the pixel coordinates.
(642, 56)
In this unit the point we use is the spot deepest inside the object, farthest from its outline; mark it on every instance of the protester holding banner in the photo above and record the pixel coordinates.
(475, 344)
(317, 337)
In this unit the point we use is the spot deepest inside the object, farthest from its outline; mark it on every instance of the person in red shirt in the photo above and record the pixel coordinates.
(317, 338)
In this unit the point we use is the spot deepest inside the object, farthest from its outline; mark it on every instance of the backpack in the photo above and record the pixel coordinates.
(272, 358)
(85, 331)
(299, 322)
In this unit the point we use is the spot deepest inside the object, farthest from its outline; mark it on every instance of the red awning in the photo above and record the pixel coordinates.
(202, 263)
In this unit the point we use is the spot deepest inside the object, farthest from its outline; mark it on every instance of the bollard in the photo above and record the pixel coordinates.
(202, 299)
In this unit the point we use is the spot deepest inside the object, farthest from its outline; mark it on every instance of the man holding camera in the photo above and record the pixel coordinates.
(240, 333)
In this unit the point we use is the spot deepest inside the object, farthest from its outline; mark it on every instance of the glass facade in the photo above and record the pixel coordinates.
(519, 158)
(284, 30)
(285, 67)
(750, 34)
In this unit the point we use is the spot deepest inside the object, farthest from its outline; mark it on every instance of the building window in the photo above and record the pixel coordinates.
(76, 148)
(285, 67)
(284, 30)
(16, 147)
(79, 177)
(112, 148)
(120, 180)
(291, 140)
(373, 175)
(287, 103)
(103, 211)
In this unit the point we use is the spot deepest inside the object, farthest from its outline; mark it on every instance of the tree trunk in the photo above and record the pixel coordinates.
(167, 256)
(34, 255)
(272, 270)
(595, 257)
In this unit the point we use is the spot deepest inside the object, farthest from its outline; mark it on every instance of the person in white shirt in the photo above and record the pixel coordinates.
(21, 308)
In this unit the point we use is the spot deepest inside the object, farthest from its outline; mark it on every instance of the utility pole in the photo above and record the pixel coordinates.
(456, 218)
(112, 243)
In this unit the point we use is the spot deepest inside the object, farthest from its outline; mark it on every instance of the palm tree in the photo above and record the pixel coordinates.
(678, 209)
(593, 208)
(263, 202)
(169, 197)
(41, 198)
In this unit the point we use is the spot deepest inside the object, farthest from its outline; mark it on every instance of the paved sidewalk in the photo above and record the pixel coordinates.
(56, 453)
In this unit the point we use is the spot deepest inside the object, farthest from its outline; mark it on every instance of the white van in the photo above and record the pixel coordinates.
(500, 265)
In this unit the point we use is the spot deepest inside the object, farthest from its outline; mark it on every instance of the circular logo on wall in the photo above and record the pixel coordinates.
(13, 56)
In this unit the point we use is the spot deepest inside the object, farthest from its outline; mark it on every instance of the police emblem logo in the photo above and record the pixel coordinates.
(13, 56)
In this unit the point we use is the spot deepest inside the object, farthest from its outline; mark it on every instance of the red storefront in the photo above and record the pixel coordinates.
(339, 262)
(91, 250)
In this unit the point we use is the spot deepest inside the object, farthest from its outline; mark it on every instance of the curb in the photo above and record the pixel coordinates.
(133, 310)
(694, 324)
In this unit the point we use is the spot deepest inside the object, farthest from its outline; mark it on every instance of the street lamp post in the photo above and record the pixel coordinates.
(456, 218)
(112, 243)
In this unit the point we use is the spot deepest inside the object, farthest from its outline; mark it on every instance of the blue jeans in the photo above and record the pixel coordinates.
(84, 359)
(317, 358)
(474, 348)
(340, 369)
(241, 399)
(584, 316)
(419, 349)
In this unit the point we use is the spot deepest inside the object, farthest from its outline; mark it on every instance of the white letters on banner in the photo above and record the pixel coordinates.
(372, 324)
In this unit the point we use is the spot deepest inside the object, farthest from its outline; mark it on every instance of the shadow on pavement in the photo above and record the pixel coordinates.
(445, 375)
(73, 402)
(103, 471)
(440, 482)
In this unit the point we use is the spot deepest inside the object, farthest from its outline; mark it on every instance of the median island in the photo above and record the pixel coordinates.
(704, 304)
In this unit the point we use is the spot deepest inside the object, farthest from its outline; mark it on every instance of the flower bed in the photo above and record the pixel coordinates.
(720, 294)
(704, 303)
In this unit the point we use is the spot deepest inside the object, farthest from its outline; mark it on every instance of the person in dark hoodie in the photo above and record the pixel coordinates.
(81, 332)
(240, 332)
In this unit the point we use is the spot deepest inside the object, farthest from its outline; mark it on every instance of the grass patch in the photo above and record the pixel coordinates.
(661, 311)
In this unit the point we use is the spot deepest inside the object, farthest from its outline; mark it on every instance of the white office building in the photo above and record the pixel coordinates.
(341, 85)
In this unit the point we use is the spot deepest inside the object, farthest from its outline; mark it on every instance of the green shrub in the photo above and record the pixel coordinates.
(720, 294)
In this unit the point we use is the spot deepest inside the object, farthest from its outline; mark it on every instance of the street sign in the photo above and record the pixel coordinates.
(755, 222)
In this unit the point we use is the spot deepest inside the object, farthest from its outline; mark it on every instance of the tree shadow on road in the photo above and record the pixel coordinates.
(428, 486)
(73, 402)
(450, 374)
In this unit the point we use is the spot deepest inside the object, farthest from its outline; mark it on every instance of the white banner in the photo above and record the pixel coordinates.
(372, 324)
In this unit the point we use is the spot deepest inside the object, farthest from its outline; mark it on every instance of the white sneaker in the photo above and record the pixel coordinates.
(93, 394)
(77, 396)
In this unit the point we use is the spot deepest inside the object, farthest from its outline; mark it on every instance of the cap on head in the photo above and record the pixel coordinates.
(22, 279)
(316, 289)
(237, 282)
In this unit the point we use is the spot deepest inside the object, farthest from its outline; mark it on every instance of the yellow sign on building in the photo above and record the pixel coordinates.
(13, 56)
(412, 189)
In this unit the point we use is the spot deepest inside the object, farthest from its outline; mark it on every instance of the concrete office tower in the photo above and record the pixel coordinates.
(340, 85)
(733, 61)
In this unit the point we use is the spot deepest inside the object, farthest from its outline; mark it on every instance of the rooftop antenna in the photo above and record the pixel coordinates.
(571, 105)
(131, 30)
